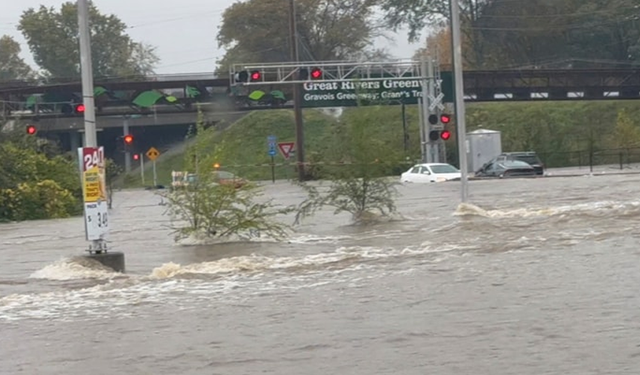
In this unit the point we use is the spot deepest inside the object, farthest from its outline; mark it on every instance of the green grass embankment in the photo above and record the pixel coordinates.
(559, 131)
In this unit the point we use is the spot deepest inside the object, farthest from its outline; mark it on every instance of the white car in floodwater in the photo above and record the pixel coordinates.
(430, 172)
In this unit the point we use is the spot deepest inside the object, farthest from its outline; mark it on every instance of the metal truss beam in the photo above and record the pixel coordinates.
(332, 71)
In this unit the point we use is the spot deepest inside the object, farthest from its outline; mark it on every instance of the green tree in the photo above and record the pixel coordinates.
(537, 33)
(52, 36)
(626, 134)
(12, 66)
(257, 31)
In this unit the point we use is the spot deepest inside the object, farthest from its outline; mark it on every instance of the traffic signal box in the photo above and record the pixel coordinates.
(128, 143)
(256, 75)
(439, 121)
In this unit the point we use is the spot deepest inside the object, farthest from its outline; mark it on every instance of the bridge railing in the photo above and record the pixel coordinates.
(8, 84)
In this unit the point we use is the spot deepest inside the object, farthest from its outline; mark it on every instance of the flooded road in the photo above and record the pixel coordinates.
(535, 277)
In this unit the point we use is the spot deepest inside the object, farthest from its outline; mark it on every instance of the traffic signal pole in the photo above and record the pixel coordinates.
(426, 144)
(433, 145)
(429, 149)
(297, 94)
(127, 154)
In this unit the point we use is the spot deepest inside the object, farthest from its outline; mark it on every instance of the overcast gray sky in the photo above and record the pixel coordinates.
(183, 31)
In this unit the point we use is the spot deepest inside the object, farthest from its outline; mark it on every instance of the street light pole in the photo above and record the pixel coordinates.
(456, 45)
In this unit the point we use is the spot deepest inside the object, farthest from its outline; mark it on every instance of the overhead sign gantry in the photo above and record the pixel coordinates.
(354, 83)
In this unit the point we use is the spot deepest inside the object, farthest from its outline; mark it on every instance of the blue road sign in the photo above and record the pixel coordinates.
(272, 141)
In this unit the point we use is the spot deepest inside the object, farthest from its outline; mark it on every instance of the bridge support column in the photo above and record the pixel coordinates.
(74, 141)
(127, 154)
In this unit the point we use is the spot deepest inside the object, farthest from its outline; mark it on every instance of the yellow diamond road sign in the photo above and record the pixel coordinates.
(153, 154)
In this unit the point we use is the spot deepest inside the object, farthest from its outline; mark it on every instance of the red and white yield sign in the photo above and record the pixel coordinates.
(286, 148)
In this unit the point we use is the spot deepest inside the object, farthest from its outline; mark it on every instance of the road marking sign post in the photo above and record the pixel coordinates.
(94, 191)
(286, 148)
(142, 168)
(153, 154)
(271, 142)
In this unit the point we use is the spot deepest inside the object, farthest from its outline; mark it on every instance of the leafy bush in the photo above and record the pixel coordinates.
(37, 200)
(34, 182)
(205, 208)
(359, 186)
(212, 210)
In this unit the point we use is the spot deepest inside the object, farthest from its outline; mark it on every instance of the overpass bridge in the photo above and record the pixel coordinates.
(55, 124)
(127, 97)
(164, 101)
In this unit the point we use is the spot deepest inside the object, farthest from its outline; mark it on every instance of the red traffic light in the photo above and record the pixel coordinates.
(445, 135)
(136, 156)
(31, 130)
(256, 75)
(316, 73)
(79, 108)
(128, 139)
(445, 119)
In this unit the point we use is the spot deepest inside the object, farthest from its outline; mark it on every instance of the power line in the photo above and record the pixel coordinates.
(187, 62)
(168, 20)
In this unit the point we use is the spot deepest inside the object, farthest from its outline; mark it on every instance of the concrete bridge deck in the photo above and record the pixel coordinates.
(66, 124)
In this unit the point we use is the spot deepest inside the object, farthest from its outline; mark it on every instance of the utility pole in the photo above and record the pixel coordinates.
(459, 92)
(297, 94)
(405, 135)
(87, 76)
(95, 211)
(423, 137)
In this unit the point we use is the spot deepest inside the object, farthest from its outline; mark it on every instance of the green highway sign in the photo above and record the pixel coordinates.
(377, 92)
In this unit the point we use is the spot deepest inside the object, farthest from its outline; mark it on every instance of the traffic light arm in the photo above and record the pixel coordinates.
(287, 73)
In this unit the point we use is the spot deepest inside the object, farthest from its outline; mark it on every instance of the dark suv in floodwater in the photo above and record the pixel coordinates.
(529, 157)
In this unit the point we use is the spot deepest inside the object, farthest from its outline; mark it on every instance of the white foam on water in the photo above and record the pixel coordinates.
(122, 300)
(310, 238)
(467, 209)
(259, 263)
(234, 278)
(77, 268)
